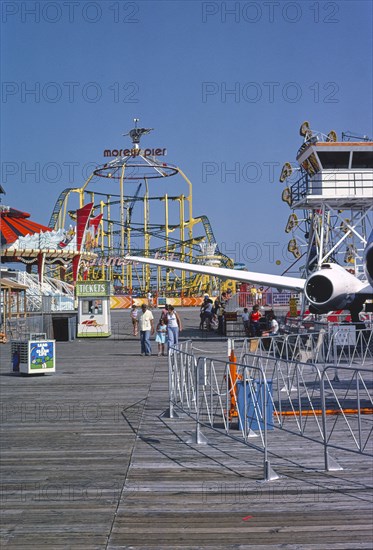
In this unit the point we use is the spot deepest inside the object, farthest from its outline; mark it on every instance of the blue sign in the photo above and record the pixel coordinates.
(41, 354)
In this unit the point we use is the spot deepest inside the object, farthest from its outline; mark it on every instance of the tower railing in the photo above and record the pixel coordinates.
(351, 183)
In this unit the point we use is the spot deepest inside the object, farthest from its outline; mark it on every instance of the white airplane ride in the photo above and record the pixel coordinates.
(329, 288)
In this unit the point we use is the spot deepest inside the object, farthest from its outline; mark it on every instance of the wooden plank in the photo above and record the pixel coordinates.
(88, 462)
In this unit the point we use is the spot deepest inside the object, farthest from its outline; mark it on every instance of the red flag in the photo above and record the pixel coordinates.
(76, 261)
(94, 222)
(82, 217)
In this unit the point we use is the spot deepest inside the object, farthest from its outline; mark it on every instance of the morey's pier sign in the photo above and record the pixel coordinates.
(136, 152)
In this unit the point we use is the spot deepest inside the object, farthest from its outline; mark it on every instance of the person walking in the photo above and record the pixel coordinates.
(161, 336)
(135, 320)
(164, 314)
(173, 327)
(146, 324)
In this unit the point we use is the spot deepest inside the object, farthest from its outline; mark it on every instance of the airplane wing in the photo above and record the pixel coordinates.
(263, 279)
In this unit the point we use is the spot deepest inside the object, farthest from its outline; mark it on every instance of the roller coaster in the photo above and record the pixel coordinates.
(144, 223)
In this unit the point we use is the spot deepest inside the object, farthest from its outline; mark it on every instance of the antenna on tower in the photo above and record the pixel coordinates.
(136, 133)
(348, 136)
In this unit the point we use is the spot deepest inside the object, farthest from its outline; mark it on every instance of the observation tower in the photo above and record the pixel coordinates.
(330, 193)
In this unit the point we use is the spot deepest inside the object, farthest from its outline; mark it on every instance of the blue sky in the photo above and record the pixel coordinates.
(225, 85)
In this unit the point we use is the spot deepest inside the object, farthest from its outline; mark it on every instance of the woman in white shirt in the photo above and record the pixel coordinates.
(173, 327)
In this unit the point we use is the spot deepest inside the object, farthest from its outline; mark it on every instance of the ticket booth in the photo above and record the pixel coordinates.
(93, 308)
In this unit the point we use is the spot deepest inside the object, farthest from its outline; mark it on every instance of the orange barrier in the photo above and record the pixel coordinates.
(318, 412)
(233, 412)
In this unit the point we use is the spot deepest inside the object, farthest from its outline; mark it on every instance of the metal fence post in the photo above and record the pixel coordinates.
(269, 473)
(331, 465)
(170, 413)
(198, 437)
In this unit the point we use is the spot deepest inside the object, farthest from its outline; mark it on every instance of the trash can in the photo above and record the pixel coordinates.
(33, 356)
(254, 404)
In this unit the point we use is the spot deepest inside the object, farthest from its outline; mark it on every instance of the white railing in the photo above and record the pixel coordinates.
(340, 345)
(348, 403)
(204, 388)
(349, 346)
(263, 394)
(268, 298)
(51, 295)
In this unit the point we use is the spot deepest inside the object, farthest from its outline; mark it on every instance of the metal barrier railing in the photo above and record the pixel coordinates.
(217, 387)
(318, 406)
(340, 345)
(306, 347)
(270, 393)
(295, 394)
(347, 402)
(203, 389)
(347, 345)
(181, 379)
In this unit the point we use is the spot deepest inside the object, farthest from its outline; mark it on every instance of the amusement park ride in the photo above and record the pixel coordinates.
(332, 235)
(141, 240)
(142, 223)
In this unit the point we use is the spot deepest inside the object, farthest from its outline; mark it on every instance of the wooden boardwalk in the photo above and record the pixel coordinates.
(88, 461)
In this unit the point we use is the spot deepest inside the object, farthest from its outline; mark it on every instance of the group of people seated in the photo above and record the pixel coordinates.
(257, 325)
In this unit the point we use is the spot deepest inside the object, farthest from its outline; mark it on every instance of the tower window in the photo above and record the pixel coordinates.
(334, 159)
(362, 159)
